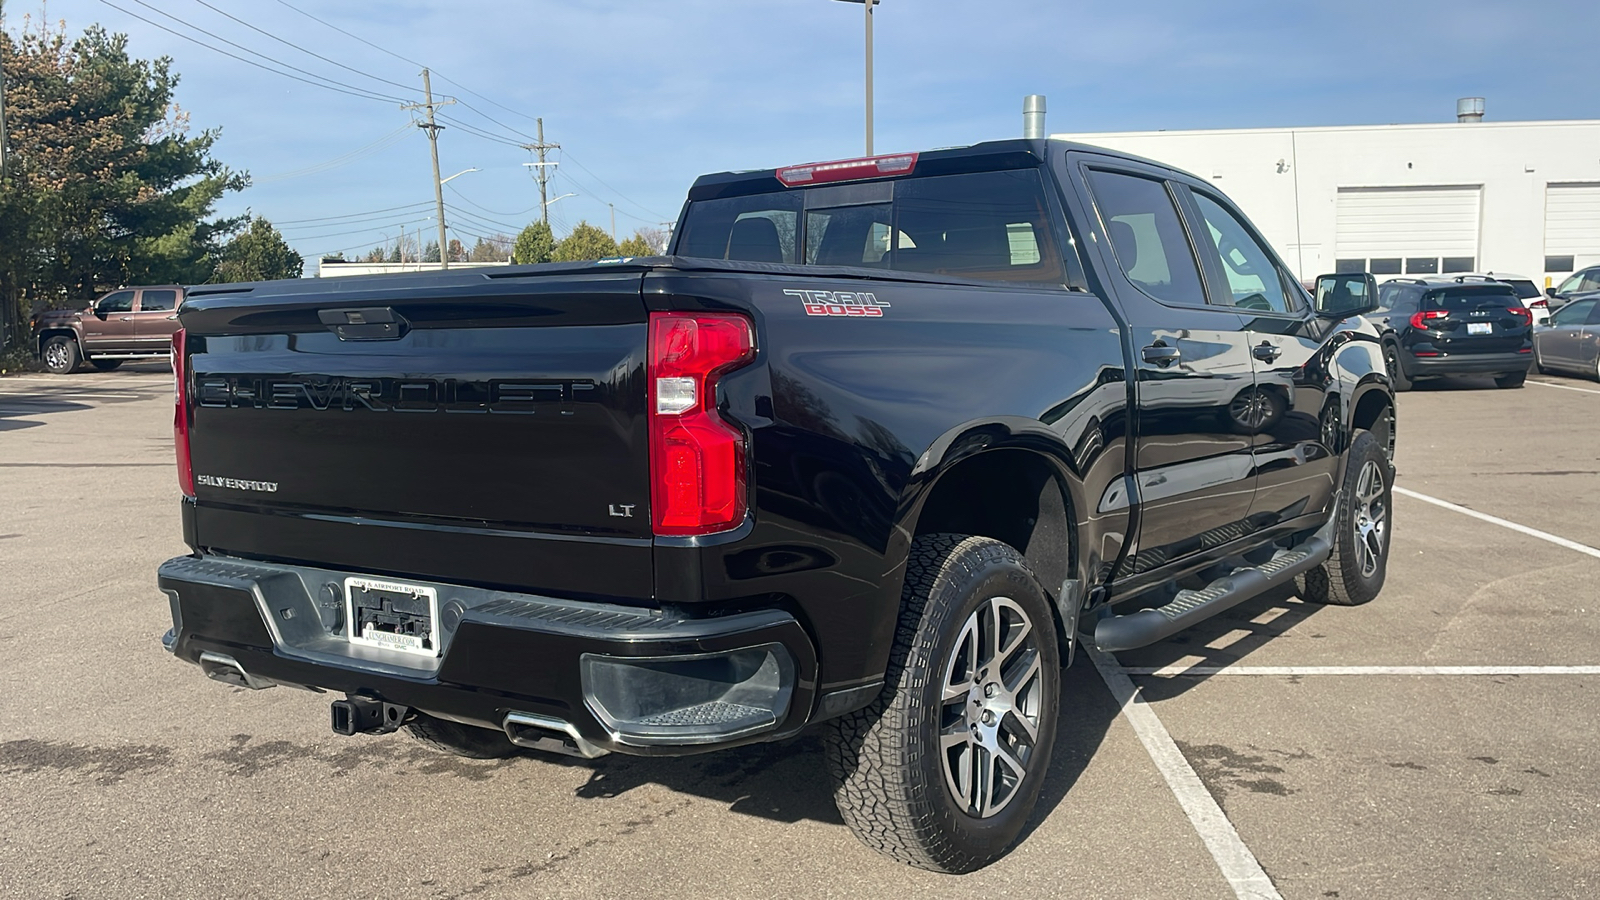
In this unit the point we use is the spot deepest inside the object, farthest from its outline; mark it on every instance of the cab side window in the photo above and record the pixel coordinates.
(1254, 280)
(1573, 313)
(158, 301)
(120, 302)
(1147, 236)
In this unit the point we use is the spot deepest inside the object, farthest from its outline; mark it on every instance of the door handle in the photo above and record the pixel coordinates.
(1160, 354)
(173, 316)
(125, 318)
(1266, 352)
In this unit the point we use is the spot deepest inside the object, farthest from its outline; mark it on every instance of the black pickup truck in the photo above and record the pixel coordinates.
(876, 446)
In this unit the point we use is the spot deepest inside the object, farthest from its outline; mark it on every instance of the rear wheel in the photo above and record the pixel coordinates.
(61, 355)
(1511, 379)
(1355, 572)
(943, 770)
(1397, 373)
(105, 365)
(462, 740)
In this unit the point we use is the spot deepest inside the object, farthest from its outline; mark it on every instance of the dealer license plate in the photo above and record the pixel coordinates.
(392, 615)
(1479, 328)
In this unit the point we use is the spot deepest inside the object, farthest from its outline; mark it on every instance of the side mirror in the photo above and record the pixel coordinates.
(1346, 294)
(1549, 292)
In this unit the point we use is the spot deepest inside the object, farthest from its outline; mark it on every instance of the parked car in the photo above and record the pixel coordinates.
(877, 446)
(1579, 284)
(1527, 291)
(128, 323)
(1451, 326)
(1571, 342)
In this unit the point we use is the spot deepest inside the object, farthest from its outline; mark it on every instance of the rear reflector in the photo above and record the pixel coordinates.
(180, 412)
(697, 459)
(848, 169)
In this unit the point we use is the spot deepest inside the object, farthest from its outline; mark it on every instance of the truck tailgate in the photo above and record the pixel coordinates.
(472, 428)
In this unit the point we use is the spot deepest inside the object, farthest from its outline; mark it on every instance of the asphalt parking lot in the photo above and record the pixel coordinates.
(1438, 742)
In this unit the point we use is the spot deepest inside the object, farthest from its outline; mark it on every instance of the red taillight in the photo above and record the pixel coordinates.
(1420, 320)
(1521, 313)
(697, 459)
(848, 169)
(1539, 304)
(180, 412)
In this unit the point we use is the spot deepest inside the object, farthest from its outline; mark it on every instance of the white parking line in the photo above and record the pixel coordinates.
(1564, 387)
(1207, 671)
(1239, 866)
(1503, 523)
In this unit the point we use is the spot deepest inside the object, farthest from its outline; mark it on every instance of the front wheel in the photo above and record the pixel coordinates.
(61, 356)
(943, 770)
(1355, 572)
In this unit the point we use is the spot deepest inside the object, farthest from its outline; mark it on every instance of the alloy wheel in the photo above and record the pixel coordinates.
(55, 356)
(992, 701)
(1371, 519)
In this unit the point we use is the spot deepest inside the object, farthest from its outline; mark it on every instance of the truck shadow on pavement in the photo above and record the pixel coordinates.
(1279, 608)
(788, 781)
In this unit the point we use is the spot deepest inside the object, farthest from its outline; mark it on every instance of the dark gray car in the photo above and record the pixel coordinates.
(1571, 342)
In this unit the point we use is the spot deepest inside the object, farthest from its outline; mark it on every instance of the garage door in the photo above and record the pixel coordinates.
(1571, 227)
(1410, 230)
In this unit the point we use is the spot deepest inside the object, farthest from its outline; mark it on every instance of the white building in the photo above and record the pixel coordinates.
(1513, 197)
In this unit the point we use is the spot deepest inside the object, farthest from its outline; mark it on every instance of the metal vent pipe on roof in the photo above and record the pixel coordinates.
(1033, 116)
(1469, 109)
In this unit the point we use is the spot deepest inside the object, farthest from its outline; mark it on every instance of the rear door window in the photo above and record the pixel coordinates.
(157, 301)
(1147, 236)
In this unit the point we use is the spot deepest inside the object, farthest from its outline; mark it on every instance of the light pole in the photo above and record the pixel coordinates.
(444, 247)
(868, 5)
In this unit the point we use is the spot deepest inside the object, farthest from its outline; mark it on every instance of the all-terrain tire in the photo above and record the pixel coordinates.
(462, 740)
(1354, 574)
(105, 365)
(1510, 379)
(889, 770)
(61, 355)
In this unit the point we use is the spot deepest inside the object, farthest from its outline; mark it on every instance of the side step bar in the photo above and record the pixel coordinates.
(1139, 629)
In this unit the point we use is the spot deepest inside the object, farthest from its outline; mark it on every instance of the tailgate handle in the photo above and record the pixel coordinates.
(372, 323)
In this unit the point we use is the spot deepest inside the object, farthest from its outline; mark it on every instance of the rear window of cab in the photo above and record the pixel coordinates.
(989, 226)
(1451, 299)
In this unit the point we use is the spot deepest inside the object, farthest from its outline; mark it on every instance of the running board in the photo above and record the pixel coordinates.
(1147, 626)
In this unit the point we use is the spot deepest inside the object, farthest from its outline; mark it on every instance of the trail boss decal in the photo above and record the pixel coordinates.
(840, 303)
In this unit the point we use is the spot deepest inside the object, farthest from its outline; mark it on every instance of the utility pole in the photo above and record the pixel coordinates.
(433, 129)
(613, 222)
(542, 170)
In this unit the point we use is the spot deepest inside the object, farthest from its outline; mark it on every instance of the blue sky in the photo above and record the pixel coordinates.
(644, 96)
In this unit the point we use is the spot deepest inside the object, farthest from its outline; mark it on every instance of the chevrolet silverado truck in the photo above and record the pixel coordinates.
(874, 448)
(130, 323)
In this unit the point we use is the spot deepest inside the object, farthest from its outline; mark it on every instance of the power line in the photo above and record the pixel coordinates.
(295, 46)
(357, 92)
(496, 212)
(480, 221)
(568, 157)
(264, 56)
(357, 214)
(368, 230)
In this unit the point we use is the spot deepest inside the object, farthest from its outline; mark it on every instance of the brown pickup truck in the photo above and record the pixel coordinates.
(129, 323)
